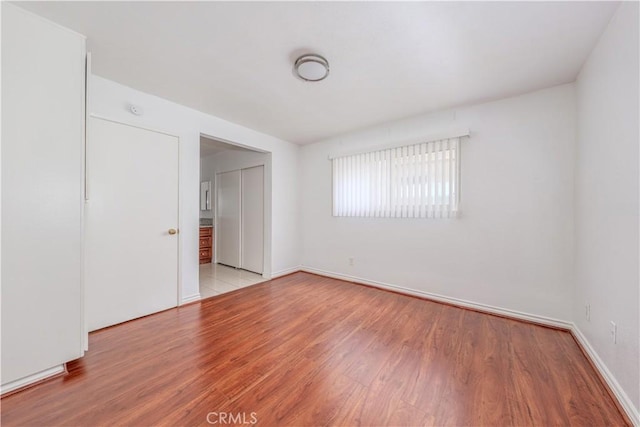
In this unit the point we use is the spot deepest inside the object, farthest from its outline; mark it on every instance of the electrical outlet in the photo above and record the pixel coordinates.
(587, 312)
(351, 262)
(614, 332)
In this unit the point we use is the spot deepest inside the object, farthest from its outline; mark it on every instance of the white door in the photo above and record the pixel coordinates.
(131, 213)
(252, 194)
(228, 218)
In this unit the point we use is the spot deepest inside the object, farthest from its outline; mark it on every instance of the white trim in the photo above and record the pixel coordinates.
(179, 296)
(456, 133)
(542, 320)
(286, 271)
(190, 298)
(32, 379)
(621, 396)
(84, 330)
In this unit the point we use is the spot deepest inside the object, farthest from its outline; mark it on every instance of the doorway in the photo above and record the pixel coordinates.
(235, 200)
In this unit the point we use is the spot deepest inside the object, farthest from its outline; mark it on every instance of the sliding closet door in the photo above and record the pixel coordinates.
(228, 218)
(252, 253)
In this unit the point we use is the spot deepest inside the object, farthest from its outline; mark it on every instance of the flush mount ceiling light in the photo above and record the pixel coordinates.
(311, 68)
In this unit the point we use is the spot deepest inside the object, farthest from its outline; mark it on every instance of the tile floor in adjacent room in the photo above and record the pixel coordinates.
(216, 279)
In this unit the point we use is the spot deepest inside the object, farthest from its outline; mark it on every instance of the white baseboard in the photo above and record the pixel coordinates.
(285, 272)
(622, 397)
(190, 298)
(32, 379)
(542, 320)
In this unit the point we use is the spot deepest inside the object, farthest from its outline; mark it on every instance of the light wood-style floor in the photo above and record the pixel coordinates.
(306, 350)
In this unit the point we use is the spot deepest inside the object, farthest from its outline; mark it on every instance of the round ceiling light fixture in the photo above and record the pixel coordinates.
(311, 68)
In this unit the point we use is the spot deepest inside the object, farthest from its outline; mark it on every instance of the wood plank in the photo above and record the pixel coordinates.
(307, 350)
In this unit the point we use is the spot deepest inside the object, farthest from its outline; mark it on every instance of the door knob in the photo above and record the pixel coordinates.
(172, 231)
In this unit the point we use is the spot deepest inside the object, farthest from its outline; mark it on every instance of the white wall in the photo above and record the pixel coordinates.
(42, 151)
(511, 247)
(109, 99)
(606, 204)
(230, 160)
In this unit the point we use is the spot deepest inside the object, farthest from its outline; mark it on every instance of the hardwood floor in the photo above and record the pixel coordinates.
(308, 350)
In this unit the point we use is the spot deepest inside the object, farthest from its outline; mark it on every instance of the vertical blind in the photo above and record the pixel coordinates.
(416, 181)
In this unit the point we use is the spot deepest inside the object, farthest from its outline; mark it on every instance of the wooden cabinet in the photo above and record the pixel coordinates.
(206, 244)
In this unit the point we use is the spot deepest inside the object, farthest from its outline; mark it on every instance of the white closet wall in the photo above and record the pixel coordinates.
(43, 67)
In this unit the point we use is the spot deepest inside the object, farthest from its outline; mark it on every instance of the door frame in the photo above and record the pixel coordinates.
(267, 202)
(88, 195)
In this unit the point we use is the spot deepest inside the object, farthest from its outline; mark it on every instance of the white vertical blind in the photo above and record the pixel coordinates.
(416, 181)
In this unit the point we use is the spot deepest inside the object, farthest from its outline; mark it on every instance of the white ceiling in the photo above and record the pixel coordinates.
(388, 59)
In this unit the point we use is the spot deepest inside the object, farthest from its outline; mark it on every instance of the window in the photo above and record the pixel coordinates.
(416, 181)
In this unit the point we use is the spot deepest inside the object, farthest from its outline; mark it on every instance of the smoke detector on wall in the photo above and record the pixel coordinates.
(135, 109)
